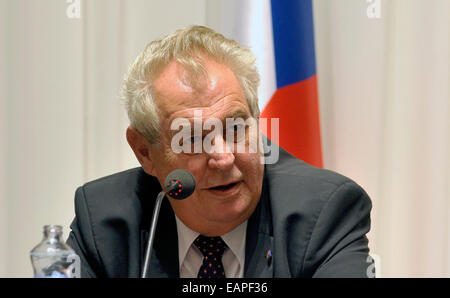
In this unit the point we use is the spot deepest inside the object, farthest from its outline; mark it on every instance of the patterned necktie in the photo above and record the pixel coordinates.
(212, 249)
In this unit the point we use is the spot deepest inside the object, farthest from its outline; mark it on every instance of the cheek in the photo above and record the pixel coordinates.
(250, 165)
(196, 164)
(165, 161)
(253, 171)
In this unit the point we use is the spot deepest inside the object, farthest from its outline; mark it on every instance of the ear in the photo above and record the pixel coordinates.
(141, 148)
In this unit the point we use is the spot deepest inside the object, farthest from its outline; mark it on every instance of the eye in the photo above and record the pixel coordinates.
(237, 127)
(192, 140)
(191, 144)
(238, 131)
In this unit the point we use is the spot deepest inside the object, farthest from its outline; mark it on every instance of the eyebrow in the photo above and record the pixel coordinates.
(239, 114)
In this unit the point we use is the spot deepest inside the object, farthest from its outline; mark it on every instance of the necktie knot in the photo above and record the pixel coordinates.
(210, 246)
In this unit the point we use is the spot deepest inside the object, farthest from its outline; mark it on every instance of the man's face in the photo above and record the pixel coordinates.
(228, 184)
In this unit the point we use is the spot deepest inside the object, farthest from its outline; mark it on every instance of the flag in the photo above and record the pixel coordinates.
(281, 35)
(295, 102)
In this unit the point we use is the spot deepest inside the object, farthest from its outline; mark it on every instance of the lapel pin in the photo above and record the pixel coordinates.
(269, 257)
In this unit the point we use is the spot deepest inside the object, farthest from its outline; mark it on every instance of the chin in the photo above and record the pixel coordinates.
(231, 211)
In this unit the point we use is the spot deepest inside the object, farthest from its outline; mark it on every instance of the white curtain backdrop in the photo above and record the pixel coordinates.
(3, 132)
(384, 104)
(385, 107)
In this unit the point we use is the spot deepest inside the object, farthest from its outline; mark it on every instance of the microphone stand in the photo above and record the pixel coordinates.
(151, 238)
(185, 182)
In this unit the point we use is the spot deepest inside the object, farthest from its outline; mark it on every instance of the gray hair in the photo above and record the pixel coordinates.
(185, 47)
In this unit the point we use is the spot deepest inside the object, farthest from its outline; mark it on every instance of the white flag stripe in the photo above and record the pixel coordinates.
(250, 23)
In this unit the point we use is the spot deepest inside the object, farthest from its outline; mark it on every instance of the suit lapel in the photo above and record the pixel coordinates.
(259, 239)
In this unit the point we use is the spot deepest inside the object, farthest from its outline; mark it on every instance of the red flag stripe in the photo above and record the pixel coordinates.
(297, 107)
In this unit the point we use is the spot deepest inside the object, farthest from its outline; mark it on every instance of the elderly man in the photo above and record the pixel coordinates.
(246, 218)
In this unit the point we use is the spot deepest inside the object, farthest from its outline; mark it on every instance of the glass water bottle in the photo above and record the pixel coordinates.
(52, 258)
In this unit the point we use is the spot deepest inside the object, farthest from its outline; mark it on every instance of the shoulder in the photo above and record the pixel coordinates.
(298, 181)
(115, 182)
(115, 195)
(109, 213)
(313, 212)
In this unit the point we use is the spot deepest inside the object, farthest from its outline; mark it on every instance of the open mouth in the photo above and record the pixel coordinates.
(225, 187)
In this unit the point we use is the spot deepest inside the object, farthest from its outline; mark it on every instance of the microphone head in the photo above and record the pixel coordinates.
(181, 182)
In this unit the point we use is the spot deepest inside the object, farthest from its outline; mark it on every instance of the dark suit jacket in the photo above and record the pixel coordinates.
(313, 220)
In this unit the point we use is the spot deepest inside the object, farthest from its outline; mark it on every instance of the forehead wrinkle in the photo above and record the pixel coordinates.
(176, 100)
(222, 109)
(192, 99)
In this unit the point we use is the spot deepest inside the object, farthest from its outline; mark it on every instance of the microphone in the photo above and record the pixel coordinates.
(179, 184)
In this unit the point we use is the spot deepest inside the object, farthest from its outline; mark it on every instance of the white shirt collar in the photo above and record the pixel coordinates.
(234, 239)
(185, 238)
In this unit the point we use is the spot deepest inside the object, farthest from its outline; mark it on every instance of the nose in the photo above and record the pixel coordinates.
(222, 157)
